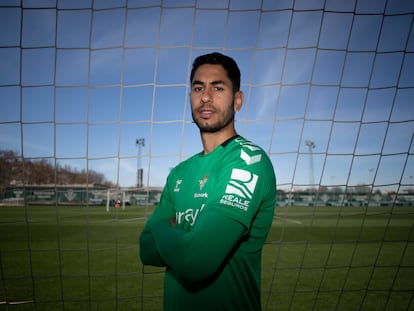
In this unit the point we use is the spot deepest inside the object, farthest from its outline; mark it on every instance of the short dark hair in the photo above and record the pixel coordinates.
(228, 63)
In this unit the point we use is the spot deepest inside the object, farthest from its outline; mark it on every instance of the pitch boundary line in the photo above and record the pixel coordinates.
(15, 302)
(285, 219)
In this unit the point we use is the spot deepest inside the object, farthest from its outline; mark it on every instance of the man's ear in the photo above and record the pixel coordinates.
(238, 100)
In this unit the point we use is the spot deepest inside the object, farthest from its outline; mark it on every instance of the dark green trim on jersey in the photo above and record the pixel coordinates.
(229, 140)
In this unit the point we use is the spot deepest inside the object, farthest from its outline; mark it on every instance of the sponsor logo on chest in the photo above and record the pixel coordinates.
(189, 215)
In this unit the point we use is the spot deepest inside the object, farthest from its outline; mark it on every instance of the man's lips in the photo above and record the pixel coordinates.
(206, 113)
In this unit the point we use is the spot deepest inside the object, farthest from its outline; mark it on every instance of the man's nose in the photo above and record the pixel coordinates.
(206, 95)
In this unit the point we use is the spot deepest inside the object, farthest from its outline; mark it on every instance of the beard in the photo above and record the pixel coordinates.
(226, 118)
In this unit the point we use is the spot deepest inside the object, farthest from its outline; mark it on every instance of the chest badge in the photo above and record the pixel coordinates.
(202, 182)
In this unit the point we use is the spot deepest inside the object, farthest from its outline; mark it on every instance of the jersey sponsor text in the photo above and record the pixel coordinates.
(229, 199)
(189, 215)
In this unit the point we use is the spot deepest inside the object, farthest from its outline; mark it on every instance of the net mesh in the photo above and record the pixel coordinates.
(99, 89)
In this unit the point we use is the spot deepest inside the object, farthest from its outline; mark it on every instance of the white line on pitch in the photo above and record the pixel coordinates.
(15, 302)
(289, 220)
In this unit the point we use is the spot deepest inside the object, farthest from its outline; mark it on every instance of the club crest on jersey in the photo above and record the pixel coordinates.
(202, 182)
(239, 191)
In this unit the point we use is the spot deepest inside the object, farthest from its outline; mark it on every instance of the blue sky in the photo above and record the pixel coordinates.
(80, 81)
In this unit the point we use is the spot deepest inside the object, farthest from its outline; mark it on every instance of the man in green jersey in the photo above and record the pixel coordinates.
(217, 207)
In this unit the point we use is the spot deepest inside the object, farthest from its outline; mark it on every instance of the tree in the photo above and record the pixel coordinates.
(10, 168)
(14, 170)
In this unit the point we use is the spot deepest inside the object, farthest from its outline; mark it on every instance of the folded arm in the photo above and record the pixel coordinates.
(199, 253)
(148, 251)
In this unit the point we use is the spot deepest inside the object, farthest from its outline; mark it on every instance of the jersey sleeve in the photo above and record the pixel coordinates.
(196, 255)
(245, 184)
(148, 251)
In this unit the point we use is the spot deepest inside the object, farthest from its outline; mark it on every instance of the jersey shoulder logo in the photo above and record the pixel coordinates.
(250, 153)
(242, 183)
(250, 159)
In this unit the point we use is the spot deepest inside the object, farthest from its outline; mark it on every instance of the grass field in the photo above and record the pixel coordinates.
(316, 258)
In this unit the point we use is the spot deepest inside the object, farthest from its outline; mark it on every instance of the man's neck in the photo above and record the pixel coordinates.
(212, 140)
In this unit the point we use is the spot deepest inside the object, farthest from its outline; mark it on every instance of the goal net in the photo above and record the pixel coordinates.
(94, 112)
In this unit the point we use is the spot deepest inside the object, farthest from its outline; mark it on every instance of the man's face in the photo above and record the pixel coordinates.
(213, 103)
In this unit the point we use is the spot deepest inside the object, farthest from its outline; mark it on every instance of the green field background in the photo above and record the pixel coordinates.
(315, 258)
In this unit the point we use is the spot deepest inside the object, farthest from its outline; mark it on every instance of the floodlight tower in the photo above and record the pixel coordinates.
(311, 145)
(139, 142)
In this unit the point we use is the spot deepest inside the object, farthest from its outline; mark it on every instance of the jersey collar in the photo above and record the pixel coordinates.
(224, 144)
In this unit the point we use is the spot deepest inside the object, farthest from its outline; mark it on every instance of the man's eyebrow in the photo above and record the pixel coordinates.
(215, 82)
(197, 82)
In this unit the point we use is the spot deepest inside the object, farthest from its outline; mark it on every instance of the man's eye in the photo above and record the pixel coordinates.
(218, 88)
(197, 89)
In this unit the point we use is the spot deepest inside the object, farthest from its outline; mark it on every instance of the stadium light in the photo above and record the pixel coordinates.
(311, 145)
(139, 142)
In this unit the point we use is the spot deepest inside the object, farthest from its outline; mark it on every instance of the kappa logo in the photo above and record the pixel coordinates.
(242, 183)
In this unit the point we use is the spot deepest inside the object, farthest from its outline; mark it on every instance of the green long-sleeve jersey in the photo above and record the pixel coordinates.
(223, 205)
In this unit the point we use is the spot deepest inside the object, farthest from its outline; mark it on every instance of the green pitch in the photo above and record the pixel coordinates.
(85, 258)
